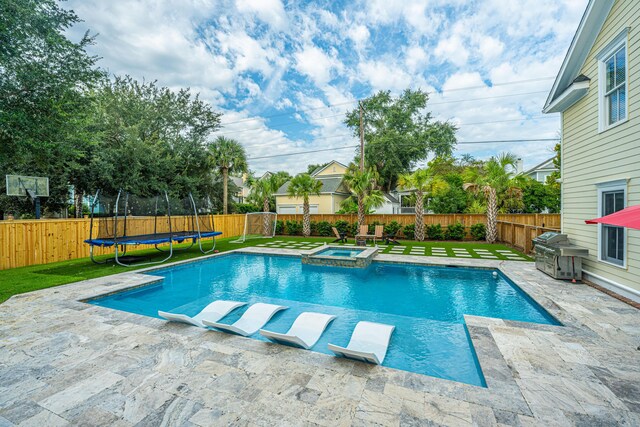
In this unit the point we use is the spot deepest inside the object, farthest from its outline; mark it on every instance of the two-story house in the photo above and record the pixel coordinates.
(597, 92)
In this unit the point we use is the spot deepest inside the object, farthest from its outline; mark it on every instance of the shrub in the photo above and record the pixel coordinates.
(353, 229)
(392, 228)
(279, 227)
(313, 227)
(72, 211)
(479, 231)
(342, 226)
(409, 231)
(434, 232)
(242, 208)
(455, 232)
(293, 228)
(323, 228)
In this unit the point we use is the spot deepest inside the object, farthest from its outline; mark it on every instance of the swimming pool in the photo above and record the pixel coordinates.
(426, 304)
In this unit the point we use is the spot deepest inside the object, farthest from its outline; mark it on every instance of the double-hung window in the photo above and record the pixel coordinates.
(612, 238)
(613, 83)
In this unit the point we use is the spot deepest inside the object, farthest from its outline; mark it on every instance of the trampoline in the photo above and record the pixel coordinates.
(127, 220)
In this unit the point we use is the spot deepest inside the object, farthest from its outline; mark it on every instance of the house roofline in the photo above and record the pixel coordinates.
(316, 172)
(538, 166)
(590, 25)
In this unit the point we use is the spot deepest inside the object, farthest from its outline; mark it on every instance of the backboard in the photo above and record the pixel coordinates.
(17, 185)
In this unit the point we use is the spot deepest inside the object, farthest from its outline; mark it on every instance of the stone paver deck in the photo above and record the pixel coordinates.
(63, 361)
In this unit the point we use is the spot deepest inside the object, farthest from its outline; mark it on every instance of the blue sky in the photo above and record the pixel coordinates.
(285, 73)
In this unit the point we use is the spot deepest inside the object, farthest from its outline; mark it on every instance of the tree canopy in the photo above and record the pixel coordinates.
(64, 118)
(399, 132)
(44, 77)
(158, 133)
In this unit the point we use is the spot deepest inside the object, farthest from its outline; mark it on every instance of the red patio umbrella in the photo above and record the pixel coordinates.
(627, 217)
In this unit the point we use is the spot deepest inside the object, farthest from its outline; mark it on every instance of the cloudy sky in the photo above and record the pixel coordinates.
(285, 73)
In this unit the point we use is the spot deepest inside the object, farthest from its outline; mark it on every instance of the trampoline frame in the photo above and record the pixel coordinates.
(124, 241)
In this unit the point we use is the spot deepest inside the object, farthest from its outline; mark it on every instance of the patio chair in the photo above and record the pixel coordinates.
(340, 237)
(364, 234)
(305, 331)
(390, 238)
(253, 319)
(369, 343)
(377, 234)
(212, 312)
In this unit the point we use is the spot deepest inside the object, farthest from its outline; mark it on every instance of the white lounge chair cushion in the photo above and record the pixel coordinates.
(253, 319)
(369, 342)
(305, 331)
(213, 312)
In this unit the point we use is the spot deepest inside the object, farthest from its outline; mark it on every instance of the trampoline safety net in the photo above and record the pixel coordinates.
(126, 219)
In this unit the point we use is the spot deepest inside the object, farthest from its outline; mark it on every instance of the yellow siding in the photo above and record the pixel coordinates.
(324, 202)
(334, 168)
(590, 157)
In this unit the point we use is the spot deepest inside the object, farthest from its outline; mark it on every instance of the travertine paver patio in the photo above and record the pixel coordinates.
(64, 361)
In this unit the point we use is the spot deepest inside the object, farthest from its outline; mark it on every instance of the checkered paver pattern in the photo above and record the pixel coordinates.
(408, 249)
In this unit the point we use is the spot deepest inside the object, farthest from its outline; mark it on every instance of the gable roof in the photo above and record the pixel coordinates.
(330, 185)
(317, 171)
(547, 164)
(590, 26)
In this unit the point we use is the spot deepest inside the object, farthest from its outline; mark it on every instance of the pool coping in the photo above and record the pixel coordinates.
(505, 393)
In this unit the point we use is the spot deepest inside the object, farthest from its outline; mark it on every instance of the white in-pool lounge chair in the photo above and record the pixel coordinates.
(213, 312)
(369, 343)
(305, 331)
(253, 319)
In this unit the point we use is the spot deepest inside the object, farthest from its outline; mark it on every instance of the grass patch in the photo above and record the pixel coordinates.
(26, 279)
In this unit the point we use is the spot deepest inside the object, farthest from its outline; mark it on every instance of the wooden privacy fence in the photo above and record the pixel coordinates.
(32, 242)
(539, 220)
(520, 236)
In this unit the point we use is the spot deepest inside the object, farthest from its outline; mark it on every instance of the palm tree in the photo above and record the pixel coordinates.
(363, 185)
(228, 156)
(262, 190)
(495, 181)
(421, 181)
(303, 185)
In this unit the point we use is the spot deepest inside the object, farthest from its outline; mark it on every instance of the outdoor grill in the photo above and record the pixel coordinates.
(556, 256)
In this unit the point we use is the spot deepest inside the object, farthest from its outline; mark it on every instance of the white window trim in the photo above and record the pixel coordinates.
(613, 46)
(605, 187)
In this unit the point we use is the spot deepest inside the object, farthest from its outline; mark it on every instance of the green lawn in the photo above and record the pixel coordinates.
(27, 279)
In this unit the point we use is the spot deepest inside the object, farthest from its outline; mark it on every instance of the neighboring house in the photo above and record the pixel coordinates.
(541, 171)
(391, 204)
(332, 194)
(244, 189)
(598, 93)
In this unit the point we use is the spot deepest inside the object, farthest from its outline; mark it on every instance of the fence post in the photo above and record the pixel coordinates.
(527, 239)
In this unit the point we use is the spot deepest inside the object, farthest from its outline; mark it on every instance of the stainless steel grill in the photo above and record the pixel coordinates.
(558, 257)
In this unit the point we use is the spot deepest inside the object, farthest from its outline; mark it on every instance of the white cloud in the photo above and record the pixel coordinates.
(452, 50)
(269, 11)
(315, 63)
(383, 75)
(490, 47)
(360, 35)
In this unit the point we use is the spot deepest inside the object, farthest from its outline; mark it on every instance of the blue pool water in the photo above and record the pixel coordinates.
(426, 304)
(346, 252)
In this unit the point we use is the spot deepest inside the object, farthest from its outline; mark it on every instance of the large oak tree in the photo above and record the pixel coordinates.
(399, 133)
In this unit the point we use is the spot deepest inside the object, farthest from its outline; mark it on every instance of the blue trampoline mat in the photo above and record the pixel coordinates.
(152, 239)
